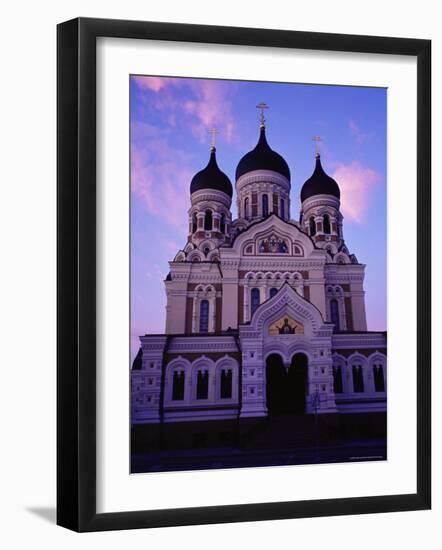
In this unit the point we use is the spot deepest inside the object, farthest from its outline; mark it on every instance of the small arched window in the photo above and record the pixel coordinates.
(337, 379)
(178, 385)
(226, 384)
(194, 223)
(208, 220)
(254, 300)
(282, 211)
(206, 250)
(378, 376)
(273, 291)
(327, 229)
(312, 226)
(265, 205)
(223, 223)
(334, 313)
(202, 384)
(358, 380)
(204, 316)
(246, 209)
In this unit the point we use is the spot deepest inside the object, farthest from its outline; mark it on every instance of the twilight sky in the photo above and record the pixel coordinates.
(170, 120)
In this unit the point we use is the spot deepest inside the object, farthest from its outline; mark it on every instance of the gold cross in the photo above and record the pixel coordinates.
(262, 120)
(213, 132)
(317, 139)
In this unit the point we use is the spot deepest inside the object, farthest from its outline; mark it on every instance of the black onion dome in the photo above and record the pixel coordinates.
(211, 178)
(319, 183)
(262, 158)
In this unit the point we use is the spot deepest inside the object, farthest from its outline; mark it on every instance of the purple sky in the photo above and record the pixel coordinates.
(170, 119)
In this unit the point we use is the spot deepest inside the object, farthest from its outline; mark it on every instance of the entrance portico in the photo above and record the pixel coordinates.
(286, 358)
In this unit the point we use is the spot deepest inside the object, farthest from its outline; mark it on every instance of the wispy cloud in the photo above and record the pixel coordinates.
(358, 134)
(160, 176)
(203, 104)
(357, 184)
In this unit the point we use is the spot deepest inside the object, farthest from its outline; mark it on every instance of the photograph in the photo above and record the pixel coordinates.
(258, 273)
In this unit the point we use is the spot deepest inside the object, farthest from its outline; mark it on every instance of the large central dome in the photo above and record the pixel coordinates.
(262, 157)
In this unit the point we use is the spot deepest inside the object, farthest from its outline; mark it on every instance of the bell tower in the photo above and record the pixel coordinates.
(321, 217)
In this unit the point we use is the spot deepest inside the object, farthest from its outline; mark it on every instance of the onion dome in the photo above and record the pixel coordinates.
(262, 158)
(211, 177)
(319, 183)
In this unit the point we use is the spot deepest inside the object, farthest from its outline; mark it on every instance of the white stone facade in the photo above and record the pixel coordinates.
(234, 285)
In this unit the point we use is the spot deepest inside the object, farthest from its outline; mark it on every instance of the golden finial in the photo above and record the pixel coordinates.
(262, 120)
(316, 139)
(213, 132)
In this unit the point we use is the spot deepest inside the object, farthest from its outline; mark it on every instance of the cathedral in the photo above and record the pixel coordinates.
(265, 314)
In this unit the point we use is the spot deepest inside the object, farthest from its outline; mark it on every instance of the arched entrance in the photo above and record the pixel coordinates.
(276, 386)
(297, 382)
(286, 389)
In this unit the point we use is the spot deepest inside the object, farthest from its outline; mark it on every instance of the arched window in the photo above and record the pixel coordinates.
(378, 377)
(254, 299)
(208, 220)
(223, 223)
(327, 229)
(226, 384)
(178, 386)
(334, 313)
(312, 226)
(206, 250)
(337, 379)
(273, 291)
(204, 316)
(246, 208)
(202, 384)
(358, 380)
(194, 223)
(265, 205)
(282, 211)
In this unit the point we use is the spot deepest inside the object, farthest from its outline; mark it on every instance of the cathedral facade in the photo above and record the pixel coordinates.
(265, 314)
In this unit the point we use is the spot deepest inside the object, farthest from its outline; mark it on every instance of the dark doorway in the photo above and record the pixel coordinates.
(276, 387)
(297, 383)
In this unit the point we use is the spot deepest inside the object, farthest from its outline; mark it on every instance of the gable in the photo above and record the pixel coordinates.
(273, 237)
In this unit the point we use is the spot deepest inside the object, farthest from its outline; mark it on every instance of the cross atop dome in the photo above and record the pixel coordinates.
(262, 121)
(213, 132)
(317, 140)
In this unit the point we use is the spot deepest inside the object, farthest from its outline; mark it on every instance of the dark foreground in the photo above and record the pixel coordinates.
(273, 441)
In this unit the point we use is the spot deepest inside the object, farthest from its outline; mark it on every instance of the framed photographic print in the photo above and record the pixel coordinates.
(243, 221)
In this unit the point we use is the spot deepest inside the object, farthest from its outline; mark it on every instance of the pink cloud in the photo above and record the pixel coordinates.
(206, 103)
(160, 177)
(155, 83)
(357, 184)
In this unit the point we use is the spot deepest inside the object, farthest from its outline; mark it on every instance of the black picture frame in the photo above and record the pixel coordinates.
(76, 274)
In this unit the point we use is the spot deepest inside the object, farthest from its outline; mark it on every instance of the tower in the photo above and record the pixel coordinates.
(262, 181)
(209, 215)
(320, 210)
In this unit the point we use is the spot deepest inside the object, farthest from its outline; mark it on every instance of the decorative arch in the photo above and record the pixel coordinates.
(204, 309)
(288, 301)
(195, 256)
(377, 365)
(287, 232)
(180, 257)
(176, 387)
(357, 365)
(226, 379)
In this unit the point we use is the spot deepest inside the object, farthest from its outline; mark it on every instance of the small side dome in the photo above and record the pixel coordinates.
(319, 183)
(211, 178)
(262, 157)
